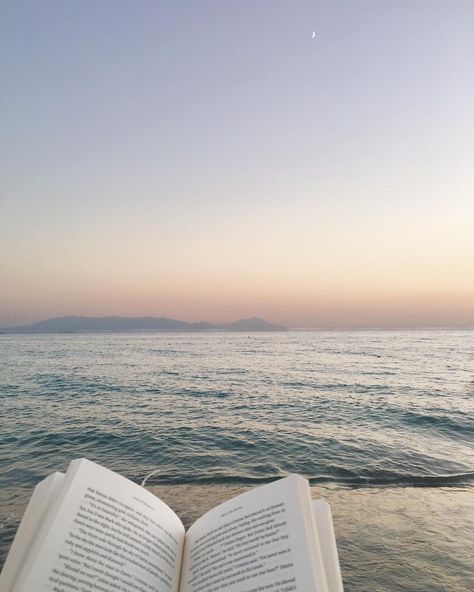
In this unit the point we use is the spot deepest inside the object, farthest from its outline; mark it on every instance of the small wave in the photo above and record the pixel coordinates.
(444, 422)
(400, 480)
(206, 393)
(172, 479)
(354, 387)
(455, 480)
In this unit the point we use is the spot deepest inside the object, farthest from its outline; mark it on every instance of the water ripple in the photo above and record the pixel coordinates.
(357, 408)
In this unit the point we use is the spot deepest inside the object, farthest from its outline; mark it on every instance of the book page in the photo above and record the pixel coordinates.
(105, 534)
(44, 496)
(327, 543)
(260, 540)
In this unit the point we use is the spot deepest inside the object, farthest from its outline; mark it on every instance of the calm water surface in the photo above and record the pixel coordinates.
(381, 422)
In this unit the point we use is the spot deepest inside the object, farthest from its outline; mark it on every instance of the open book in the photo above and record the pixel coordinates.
(92, 530)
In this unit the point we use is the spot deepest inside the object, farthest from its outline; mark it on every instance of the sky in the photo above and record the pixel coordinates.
(211, 160)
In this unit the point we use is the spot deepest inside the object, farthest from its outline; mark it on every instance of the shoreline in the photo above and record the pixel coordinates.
(389, 538)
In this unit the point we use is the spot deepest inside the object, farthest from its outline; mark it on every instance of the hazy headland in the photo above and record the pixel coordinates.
(115, 323)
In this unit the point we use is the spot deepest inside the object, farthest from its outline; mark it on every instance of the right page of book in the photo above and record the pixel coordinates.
(262, 540)
(327, 542)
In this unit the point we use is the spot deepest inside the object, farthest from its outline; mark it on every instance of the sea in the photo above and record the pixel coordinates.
(380, 422)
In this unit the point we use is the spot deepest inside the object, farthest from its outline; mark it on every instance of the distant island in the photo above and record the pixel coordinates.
(79, 324)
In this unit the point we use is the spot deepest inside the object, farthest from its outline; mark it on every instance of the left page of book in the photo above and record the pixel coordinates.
(105, 534)
(43, 498)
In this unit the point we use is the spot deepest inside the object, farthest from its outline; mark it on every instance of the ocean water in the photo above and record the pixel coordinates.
(371, 418)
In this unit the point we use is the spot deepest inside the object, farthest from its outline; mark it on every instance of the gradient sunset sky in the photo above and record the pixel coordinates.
(210, 160)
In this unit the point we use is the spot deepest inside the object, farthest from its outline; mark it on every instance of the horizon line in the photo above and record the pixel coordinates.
(402, 327)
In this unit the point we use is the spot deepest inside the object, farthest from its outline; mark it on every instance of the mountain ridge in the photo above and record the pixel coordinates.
(77, 324)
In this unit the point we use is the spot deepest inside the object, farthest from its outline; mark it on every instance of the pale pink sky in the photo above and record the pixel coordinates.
(211, 162)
